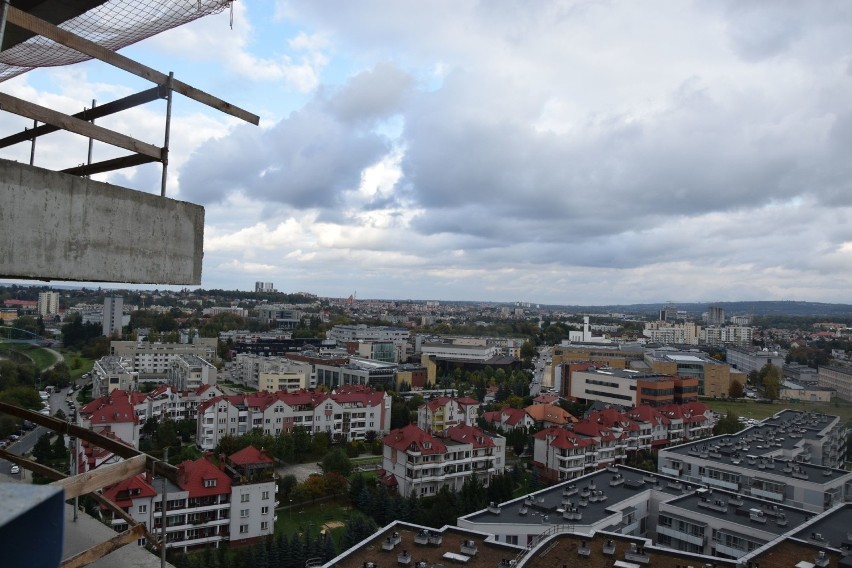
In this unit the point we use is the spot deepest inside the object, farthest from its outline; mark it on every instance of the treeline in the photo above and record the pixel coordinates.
(279, 551)
(383, 507)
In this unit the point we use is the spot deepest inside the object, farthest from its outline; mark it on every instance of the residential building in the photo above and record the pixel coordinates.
(271, 373)
(747, 360)
(48, 304)
(837, 378)
(716, 315)
(209, 505)
(152, 360)
(792, 458)
(265, 287)
(110, 373)
(419, 463)
(740, 336)
(218, 310)
(114, 412)
(113, 319)
(442, 412)
(667, 333)
(346, 414)
(188, 372)
(285, 317)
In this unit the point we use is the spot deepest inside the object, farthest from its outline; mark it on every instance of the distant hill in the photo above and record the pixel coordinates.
(786, 308)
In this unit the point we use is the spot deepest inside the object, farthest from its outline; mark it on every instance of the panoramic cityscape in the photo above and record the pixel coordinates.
(488, 284)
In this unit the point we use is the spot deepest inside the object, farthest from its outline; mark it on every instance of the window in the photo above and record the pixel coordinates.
(264, 526)
(143, 508)
(209, 483)
(264, 510)
(244, 498)
(265, 495)
(243, 529)
(244, 513)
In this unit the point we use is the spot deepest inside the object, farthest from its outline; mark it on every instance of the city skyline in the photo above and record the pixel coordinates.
(578, 153)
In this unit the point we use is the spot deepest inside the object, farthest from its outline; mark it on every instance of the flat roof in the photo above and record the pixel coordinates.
(832, 528)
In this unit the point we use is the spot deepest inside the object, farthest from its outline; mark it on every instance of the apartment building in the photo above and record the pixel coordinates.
(271, 373)
(728, 335)
(152, 360)
(415, 461)
(209, 505)
(666, 333)
(747, 359)
(346, 414)
(837, 378)
(188, 372)
(442, 412)
(113, 373)
(113, 316)
(792, 458)
(48, 304)
(606, 436)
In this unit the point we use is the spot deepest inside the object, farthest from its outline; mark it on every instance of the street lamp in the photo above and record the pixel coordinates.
(291, 510)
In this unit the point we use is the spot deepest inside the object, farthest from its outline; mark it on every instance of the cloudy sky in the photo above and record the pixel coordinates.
(556, 152)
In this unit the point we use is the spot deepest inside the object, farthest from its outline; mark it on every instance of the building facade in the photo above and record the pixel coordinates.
(113, 319)
(48, 304)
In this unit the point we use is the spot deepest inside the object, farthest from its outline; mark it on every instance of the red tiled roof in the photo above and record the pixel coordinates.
(562, 438)
(194, 475)
(114, 408)
(250, 456)
(468, 435)
(549, 413)
(123, 493)
(413, 438)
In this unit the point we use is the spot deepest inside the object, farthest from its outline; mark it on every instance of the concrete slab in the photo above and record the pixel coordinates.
(55, 226)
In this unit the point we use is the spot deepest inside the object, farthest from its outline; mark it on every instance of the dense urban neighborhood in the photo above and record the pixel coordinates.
(345, 432)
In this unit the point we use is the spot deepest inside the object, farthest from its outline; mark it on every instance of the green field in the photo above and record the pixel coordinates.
(330, 515)
(41, 358)
(761, 410)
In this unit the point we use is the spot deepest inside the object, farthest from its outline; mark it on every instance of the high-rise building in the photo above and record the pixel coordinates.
(264, 287)
(716, 316)
(48, 303)
(113, 311)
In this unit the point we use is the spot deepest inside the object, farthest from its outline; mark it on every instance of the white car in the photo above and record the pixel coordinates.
(16, 469)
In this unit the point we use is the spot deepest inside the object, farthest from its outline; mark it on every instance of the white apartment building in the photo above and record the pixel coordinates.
(667, 333)
(188, 372)
(271, 373)
(346, 414)
(113, 319)
(837, 378)
(208, 506)
(740, 336)
(48, 303)
(442, 412)
(416, 461)
(152, 360)
(113, 373)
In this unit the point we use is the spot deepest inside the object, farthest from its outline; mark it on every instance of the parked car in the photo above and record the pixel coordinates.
(16, 469)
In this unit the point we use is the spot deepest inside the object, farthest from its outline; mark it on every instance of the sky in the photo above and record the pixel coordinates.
(577, 152)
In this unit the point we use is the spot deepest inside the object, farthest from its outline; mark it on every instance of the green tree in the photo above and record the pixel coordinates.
(336, 461)
(730, 424)
(735, 390)
(771, 379)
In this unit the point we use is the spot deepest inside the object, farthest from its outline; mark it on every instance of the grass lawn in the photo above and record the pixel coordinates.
(761, 410)
(331, 514)
(366, 460)
(77, 364)
(42, 358)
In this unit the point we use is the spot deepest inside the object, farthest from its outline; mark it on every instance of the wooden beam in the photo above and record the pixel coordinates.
(102, 549)
(71, 124)
(92, 49)
(109, 165)
(101, 111)
(118, 448)
(53, 474)
(103, 476)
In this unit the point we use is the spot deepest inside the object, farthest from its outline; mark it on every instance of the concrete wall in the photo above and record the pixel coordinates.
(55, 226)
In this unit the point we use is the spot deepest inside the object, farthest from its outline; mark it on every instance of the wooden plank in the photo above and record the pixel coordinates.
(109, 165)
(51, 473)
(102, 549)
(101, 111)
(71, 124)
(103, 476)
(92, 49)
(122, 450)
